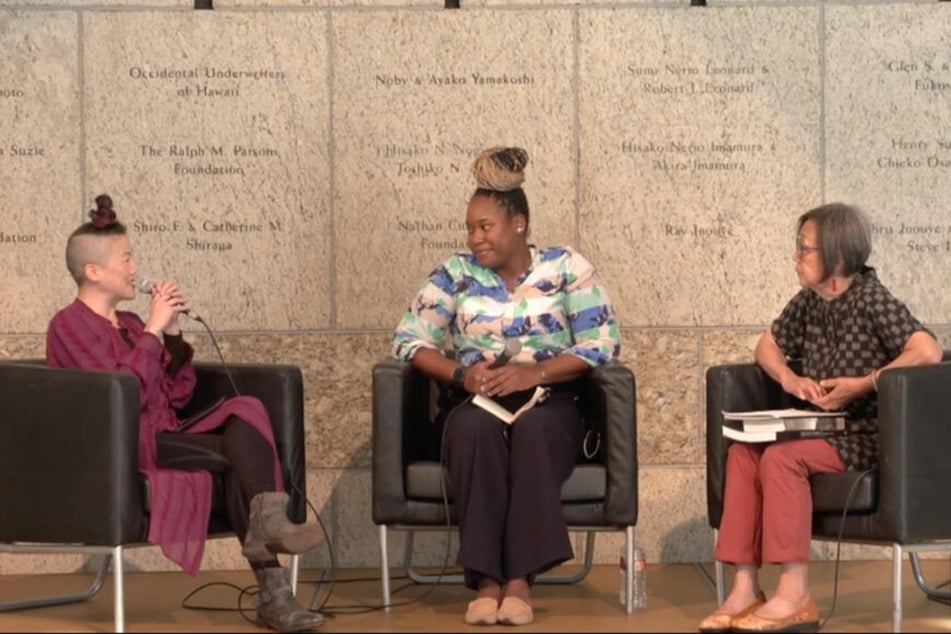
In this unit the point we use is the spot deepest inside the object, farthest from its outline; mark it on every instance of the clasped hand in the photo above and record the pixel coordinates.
(167, 303)
(481, 379)
(827, 394)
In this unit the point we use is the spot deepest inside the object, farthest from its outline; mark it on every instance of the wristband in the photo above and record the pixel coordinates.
(459, 376)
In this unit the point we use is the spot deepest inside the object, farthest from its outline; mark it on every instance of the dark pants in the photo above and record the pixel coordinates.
(506, 483)
(236, 451)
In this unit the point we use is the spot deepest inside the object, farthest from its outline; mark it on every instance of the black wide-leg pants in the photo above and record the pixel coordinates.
(506, 483)
(237, 451)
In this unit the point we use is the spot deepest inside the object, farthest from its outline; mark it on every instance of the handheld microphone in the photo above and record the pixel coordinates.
(145, 287)
(512, 348)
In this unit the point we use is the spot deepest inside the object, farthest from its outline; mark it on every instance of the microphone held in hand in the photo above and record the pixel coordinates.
(145, 287)
(512, 348)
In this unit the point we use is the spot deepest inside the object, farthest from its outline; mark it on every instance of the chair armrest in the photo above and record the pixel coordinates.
(280, 389)
(735, 387)
(915, 438)
(608, 395)
(69, 456)
(401, 401)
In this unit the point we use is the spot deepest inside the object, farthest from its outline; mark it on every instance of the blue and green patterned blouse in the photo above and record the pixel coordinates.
(558, 306)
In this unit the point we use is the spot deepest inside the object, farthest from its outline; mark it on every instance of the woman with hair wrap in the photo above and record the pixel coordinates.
(506, 480)
(235, 439)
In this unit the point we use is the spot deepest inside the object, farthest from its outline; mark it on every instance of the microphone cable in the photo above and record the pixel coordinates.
(221, 357)
(362, 609)
(323, 608)
(838, 544)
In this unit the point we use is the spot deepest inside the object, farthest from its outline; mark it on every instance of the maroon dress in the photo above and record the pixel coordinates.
(181, 500)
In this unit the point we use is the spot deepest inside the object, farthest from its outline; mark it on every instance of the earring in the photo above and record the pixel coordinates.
(834, 288)
(519, 229)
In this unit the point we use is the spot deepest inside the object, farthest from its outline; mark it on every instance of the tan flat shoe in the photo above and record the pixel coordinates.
(482, 611)
(721, 621)
(514, 611)
(805, 619)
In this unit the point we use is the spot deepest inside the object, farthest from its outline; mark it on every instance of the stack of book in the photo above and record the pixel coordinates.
(782, 424)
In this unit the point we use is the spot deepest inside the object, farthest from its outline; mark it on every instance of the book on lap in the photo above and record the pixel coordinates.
(506, 416)
(782, 424)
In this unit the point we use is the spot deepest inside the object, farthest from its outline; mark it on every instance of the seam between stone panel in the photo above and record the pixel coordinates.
(576, 123)
(81, 87)
(332, 173)
(822, 102)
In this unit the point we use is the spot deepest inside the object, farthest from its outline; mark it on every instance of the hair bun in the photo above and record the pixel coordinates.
(103, 215)
(500, 168)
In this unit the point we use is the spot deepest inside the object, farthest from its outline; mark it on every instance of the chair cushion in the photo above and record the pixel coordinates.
(830, 491)
(587, 483)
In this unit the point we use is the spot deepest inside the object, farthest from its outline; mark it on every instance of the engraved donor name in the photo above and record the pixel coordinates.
(453, 79)
(680, 79)
(698, 231)
(414, 226)
(419, 170)
(208, 226)
(22, 150)
(692, 71)
(697, 88)
(201, 151)
(17, 238)
(691, 147)
(931, 85)
(207, 72)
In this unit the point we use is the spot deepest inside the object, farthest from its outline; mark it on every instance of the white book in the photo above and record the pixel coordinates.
(486, 403)
(773, 414)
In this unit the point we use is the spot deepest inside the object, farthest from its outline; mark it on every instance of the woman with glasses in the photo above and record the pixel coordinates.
(846, 327)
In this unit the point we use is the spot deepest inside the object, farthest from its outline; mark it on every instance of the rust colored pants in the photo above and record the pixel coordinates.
(767, 504)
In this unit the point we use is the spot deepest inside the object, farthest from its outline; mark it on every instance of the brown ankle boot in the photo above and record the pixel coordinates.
(278, 608)
(270, 532)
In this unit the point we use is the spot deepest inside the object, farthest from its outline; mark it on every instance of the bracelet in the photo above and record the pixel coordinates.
(875, 379)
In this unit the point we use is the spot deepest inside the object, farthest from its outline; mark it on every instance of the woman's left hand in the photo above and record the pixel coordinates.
(508, 379)
(841, 391)
(171, 293)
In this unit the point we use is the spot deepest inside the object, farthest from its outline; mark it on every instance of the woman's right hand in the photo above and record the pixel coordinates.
(803, 388)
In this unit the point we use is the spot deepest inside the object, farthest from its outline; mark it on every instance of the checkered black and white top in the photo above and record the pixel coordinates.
(850, 336)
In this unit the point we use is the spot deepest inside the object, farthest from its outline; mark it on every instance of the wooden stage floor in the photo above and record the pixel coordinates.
(678, 597)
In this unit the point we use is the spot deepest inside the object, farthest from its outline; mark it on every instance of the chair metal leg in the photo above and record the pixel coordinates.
(118, 579)
(384, 568)
(585, 568)
(295, 572)
(896, 587)
(629, 570)
(96, 586)
(417, 577)
(932, 592)
(718, 572)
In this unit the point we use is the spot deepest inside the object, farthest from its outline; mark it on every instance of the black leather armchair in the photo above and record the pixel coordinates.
(903, 504)
(69, 481)
(600, 495)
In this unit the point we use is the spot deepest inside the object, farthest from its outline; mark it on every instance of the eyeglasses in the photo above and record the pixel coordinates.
(802, 250)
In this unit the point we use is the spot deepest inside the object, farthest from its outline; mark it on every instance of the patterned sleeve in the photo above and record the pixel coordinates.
(893, 322)
(594, 326)
(789, 329)
(426, 321)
